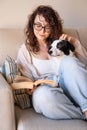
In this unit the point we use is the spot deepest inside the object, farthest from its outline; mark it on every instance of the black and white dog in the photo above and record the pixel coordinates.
(61, 47)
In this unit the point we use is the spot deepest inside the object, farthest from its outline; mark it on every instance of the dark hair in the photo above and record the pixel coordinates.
(54, 20)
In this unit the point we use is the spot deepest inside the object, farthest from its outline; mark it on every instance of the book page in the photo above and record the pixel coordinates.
(45, 81)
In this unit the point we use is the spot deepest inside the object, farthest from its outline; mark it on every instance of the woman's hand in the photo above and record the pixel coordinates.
(30, 91)
(71, 39)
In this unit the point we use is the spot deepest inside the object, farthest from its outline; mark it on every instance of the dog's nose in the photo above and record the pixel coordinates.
(50, 52)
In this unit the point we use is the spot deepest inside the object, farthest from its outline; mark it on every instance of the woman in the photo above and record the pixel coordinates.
(70, 99)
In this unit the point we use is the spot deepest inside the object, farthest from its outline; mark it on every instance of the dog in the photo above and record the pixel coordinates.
(61, 47)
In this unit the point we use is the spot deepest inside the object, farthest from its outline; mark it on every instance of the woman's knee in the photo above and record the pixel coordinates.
(70, 61)
(71, 64)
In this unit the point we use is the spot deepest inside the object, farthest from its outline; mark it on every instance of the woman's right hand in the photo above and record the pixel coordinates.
(71, 39)
(30, 91)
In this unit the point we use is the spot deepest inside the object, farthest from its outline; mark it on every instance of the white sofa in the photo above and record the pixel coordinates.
(11, 116)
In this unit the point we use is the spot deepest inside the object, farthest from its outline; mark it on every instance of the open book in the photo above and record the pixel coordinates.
(31, 84)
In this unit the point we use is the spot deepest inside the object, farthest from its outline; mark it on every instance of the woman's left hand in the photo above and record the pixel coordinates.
(71, 39)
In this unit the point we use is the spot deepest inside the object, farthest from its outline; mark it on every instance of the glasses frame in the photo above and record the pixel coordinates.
(46, 29)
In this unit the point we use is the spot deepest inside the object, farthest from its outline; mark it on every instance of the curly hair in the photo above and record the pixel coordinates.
(52, 17)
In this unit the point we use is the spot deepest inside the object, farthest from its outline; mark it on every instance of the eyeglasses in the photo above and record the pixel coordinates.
(39, 27)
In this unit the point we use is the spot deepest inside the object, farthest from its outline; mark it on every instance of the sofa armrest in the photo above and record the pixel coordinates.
(7, 116)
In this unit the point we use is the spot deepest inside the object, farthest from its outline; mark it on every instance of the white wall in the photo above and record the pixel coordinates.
(13, 13)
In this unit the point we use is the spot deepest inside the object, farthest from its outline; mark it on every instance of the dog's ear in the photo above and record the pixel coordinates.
(63, 46)
(66, 52)
(71, 47)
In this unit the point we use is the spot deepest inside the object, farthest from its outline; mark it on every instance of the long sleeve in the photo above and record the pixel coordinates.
(24, 63)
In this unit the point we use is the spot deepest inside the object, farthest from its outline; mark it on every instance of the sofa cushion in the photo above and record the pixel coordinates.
(9, 70)
(82, 33)
(71, 32)
(30, 120)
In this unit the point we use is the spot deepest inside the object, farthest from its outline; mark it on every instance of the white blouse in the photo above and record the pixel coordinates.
(50, 66)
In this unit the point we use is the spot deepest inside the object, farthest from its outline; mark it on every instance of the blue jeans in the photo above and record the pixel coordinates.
(57, 103)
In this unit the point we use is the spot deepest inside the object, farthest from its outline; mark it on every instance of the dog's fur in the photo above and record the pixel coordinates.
(61, 47)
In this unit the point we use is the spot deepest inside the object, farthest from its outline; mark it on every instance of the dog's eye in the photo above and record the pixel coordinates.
(60, 45)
